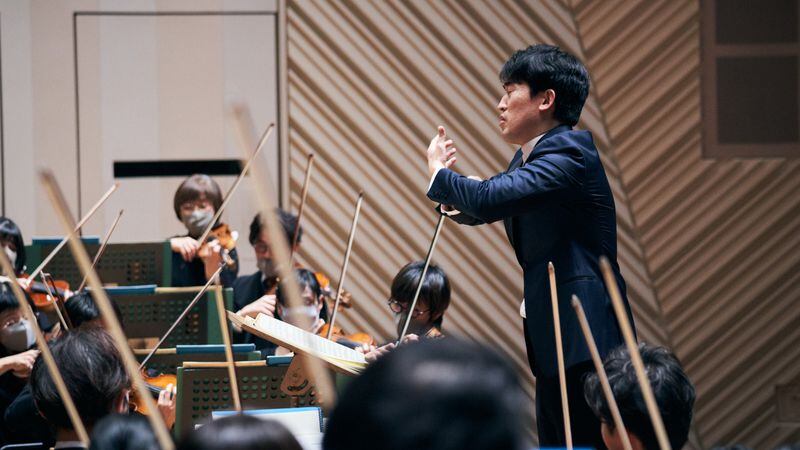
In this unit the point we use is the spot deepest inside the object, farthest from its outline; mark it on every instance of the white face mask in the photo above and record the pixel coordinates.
(18, 337)
(301, 315)
(12, 255)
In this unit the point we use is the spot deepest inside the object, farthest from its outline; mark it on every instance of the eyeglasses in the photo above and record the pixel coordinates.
(398, 308)
(261, 247)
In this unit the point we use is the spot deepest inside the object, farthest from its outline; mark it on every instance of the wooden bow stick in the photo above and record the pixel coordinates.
(428, 258)
(226, 339)
(107, 311)
(236, 183)
(636, 357)
(47, 356)
(63, 242)
(303, 195)
(102, 248)
(562, 376)
(601, 373)
(280, 248)
(182, 316)
(345, 263)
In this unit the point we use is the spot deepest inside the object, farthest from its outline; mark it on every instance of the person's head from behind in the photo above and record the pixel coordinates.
(196, 201)
(83, 311)
(123, 432)
(13, 244)
(437, 394)
(434, 297)
(259, 239)
(240, 432)
(93, 374)
(16, 332)
(544, 87)
(313, 307)
(673, 391)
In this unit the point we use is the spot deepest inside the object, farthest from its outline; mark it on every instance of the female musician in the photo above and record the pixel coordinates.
(16, 356)
(13, 245)
(314, 310)
(196, 201)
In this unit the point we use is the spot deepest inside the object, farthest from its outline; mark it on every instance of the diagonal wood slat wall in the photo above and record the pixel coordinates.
(720, 236)
(368, 83)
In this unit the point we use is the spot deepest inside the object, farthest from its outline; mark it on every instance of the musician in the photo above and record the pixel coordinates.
(428, 315)
(438, 394)
(556, 205)
(314, 311)
(83, 311)
(16, 355)
(672, 389)
(196, 201)
(94, 375)
(13, 244)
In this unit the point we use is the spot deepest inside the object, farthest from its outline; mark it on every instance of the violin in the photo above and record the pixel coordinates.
(38, 292)
(349, 340)
(223, 234)
(156, 382)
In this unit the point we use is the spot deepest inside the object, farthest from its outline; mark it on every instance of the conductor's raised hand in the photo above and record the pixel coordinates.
(441, 152)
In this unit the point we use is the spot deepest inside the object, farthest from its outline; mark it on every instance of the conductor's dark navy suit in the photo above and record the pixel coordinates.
(556, 206)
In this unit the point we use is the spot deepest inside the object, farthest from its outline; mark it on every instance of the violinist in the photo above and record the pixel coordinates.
(13, 244)
(314, 310)
(16, 355)
(255, 293)
(96, 379)
(196, 201)
(428, 315)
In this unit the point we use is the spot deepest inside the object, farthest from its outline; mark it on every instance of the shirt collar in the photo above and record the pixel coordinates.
(528, 147)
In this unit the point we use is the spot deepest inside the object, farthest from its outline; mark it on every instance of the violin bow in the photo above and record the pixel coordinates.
(102, 248)
(236, 183)
(428, 257)
(300, 209)
(636, 357)
(601, 373)
(47, 356)
(279, 246)
(104, 304)
(562, 375)
(63, 242)
(345, 263)
(182, 316)
(226, 340)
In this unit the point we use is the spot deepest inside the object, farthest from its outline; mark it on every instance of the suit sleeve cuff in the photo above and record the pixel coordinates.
(430, 183)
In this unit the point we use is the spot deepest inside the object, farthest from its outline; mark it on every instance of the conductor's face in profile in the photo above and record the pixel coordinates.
(522, 116)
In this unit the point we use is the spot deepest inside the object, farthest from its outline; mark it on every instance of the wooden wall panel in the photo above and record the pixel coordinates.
(369, 81)
(720, 236)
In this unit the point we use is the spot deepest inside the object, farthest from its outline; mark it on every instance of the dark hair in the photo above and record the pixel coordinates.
(123, 432)
(544, 67)
(288, 223)
(193, 188)
(9, 231)
(305, 279)
(435, 290)
(92, 371)
(81, 308)
(673, 391)
(436, 394)
(7, 298)
(240, 432)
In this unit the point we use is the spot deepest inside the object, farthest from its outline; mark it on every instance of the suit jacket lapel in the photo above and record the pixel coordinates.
(516, 162)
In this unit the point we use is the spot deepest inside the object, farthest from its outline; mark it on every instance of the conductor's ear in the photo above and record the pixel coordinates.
(548, 100)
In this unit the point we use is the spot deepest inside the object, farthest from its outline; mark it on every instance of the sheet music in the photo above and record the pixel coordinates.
(310, 342)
